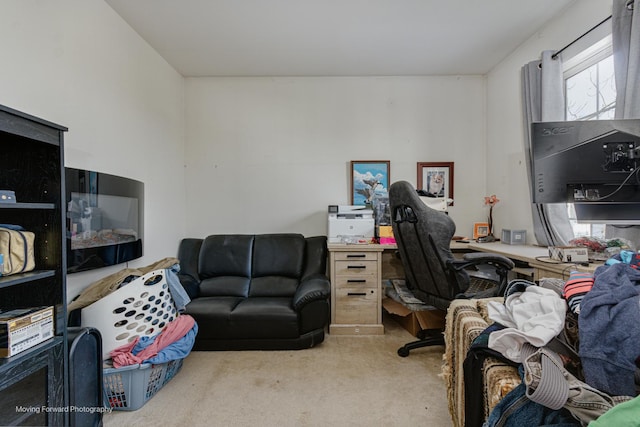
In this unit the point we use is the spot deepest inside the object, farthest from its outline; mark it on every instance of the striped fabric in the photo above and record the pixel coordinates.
(466, 319)
(576, 288)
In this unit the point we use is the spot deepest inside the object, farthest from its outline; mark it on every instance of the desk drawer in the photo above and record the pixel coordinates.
(358, 256)
(356, 268)
(356, 282)
(356, 306)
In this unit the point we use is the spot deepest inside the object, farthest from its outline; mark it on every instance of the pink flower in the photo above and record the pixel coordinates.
(491, 200)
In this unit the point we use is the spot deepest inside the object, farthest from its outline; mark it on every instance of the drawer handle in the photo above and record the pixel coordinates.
(357, 266)
(356, 255)
(357, 281)
(356, 294)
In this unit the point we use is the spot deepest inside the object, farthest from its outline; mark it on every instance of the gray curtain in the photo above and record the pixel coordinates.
(543, 100)
(626, 57)
(625, 34)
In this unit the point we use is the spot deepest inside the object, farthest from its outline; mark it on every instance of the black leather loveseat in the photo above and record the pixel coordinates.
(256, 292)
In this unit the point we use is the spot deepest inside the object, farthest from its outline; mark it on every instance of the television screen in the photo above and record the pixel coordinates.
(104, 219)
(593, 164)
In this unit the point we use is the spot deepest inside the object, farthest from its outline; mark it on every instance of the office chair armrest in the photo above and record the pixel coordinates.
(475, 258)
(474, 261)
(501, 263)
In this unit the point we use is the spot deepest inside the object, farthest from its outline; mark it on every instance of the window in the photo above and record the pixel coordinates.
(590, 94)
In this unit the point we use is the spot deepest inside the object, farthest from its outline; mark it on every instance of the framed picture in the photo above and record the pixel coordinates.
(369, 177)
(480, 229)
(436, 178)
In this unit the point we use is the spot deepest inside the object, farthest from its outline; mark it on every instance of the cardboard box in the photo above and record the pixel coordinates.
(568, 254)
(22, 329)
(414, 321)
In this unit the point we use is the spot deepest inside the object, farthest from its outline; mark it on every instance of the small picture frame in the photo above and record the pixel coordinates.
(436, 178)
(480, 229)
(368, 178)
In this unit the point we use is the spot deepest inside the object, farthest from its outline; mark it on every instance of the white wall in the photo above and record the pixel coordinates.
(506, 167)
(270, 154)
(77, 63)
(262, 154)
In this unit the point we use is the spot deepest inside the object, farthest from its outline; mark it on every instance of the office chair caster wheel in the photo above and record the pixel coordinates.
(403, 352)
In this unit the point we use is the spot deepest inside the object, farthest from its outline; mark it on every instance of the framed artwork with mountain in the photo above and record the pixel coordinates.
(369, 178)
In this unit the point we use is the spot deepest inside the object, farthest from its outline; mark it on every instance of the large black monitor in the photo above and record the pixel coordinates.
(593, 164)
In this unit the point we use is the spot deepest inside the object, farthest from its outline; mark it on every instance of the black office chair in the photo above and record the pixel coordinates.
(433, 275)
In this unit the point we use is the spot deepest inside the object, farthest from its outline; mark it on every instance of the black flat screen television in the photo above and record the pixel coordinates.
(593, 164)
(105, 215)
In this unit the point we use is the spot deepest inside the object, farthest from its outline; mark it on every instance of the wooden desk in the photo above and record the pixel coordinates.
(532, 260)
(358, 271)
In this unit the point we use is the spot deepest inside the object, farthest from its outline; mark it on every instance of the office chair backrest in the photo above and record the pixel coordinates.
(423, 236)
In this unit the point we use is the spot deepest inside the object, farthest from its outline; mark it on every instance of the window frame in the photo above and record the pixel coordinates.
(583, 60)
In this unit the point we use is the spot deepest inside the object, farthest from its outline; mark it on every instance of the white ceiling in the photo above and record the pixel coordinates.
(335, 37)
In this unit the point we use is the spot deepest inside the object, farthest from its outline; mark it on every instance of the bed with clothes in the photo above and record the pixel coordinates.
(550, 353)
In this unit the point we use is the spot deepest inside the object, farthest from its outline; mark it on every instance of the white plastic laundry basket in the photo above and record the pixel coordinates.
(141, 307)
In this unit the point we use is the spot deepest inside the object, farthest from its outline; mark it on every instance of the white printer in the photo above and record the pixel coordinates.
(350, 224)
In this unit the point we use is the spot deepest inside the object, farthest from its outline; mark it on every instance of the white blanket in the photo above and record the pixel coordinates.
(535, 316)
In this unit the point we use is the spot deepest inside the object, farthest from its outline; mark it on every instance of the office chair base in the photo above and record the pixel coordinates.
(426, 342)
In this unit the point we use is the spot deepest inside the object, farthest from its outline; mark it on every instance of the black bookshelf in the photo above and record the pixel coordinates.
(32, 165)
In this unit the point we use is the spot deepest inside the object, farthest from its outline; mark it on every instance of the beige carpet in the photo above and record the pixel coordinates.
(345, 381)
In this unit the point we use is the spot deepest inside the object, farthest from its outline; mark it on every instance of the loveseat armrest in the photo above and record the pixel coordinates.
(315, 256)
(313, 288)
(190, 284)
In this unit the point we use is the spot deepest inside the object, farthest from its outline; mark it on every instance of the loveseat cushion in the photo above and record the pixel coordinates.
(225, 255)
(224, 265)
(279, 255)
(273, 286)
(244, 318)
(269, 317)
(226, 286)
(213, 316)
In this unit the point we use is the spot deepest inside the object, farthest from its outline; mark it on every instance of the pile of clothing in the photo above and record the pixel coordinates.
(576, 345)
(174, 342)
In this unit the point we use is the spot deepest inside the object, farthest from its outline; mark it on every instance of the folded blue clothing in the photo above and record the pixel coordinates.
(628, 257)
(174, 351)
(178, 294)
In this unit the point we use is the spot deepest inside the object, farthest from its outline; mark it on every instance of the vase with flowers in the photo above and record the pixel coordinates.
(490, 201)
